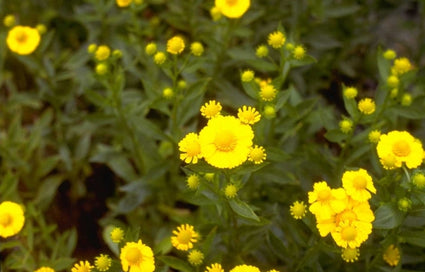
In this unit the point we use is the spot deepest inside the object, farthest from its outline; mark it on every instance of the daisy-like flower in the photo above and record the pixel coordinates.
(276, 39)
(397, 147)
(257, 154)
(184, 237)
(389, 54)
(320, 198)
(103, 262)
(211, 109)
(175, 45)
(225, 142)
(82, 266)
(232, 8)
(137, 257)
(12, 218)
(151, 48)
(23, 40)
(262, 51)
(245, 268)
(215, 267)
(358, 184)
(45, 269)
(366, 106)
(351, 234)
(350, 255)
(299, 52)
(346, 125)
(268, 92)
(195, 257)
(298, 209)
(190, 148)
(391, 255)
(248, 115)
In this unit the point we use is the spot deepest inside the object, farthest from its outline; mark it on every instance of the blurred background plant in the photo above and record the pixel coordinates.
(90, 125)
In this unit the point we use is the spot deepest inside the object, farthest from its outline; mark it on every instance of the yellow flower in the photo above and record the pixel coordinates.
(248, 115)
(159, 58)
(197, 49)
(193, 181)
(23, 40)
(215, 267)
(9, 20)
(401, 66)
(137, 257)
(320, 198)
(12, 218)
(232, 8)
(268, 92)
(298, 209)
(195, 257)
(101, 69)
(394, 93)
(351, 234)
(269, 112)
(117, 234)
(366, 106)
(404, 204)
(350, 255)
(393, 81)
(181, 84)
(92, 48)
(262, 51)
(215, 13)
(419, 180)
(168, 93)
(374, 136)
(389, 54)
(175, 45)
(247, 76)
(83, 266)
(45, 269)
(397, 147)
(358, 184)
(102, 53)
(211, 109)
(184, 237)
(41, 28)
(406, 100)
(245, 268)
(231, 191)
(276, 39)
(257, 154)
(123, 3)
(350, 92)
(346, 125)
(190, 148)
(225, 141)
(299, 52)
(150, 48)
(392, 255)
(103, 262)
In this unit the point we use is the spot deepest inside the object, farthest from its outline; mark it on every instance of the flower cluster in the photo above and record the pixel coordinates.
(345, 212)
(226, 141)
(104, 57)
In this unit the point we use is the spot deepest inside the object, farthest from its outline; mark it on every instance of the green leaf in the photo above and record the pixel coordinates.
(340, 11)
(47, 190)
(335, 136)
(416, 238)
(106, 234)
(387, 217)
(243, 209)
(176, 263)
(383, 65)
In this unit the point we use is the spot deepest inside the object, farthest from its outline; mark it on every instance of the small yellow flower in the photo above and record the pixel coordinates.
(215, 13)
(137, 257)
(45, 269)
(138, 2)
(247, 76)
(393, 81)
(190, 148)
(12, 219)
(184, 237)
(404, 204)
(215, 267)
(257, 154)
(123, 3)
(389, 54)
(298, 209)
(350, 92)
(269, 112)
(175, 45)
(193, 181)
(41, 28)
(232, 8)
(103, 262)
(195, 257)
(366, 106)
(9, 20)
(299, 52)
(102, 52)
(276, 39)
(358, 184)
(92, 48)
(401, 66)
(406, 100)
(350, 255)
(262, 51)
(268, 92)
(168, 93)
(181, 84)
(82, 266)
(23, 40)
(117, 234)
(197, 49)
(394, 93)
(392, 255)
(289, 46)
(117, 53)
(374, 136)
(346, 125)
(248, 115)
(419, 180)
(211, 109)
(101, 69)
(230, 191)
(159, 57)
(151, 48)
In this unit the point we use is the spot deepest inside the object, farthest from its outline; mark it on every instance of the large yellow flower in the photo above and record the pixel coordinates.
(233, 8)
(397, 147)
(11, 219)
(351, 234)
(358, 184)
(23, 40)
(137, 257)
(245, 268)
(225, 142)
(184, 237)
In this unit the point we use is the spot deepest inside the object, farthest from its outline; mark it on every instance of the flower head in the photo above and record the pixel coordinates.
(393, 81)
(211, 109)
(101, 68)
(197, 49)
(351, 234)
(245, 268)
(350, 92)
(257, 154)
(175, 45)
(399, 147)
(406, 99)
(276, 39)
(92, 48)
(195, 257)
(401, 66)
(103, 262)
(151, 48)
(358, 184)
(392, 255)
(346, 125)
(215, 13)
(269, 112)
(159, 57)
(230, 191)
(247, 76)
(117, 234)
(102, 52)
(366, 106)
(374, 136)
(9, 20)
(226, 142)
(168, 93)
(215, 267)
(262, 51)
(419, 180)
(184, 237)
(137, 257)
(45, 269)
(350, 255)
(298, 209)
(390, 54)
(82, 266)
(41, 28)
(193, 181)
(12, 218)
(232, 8)
(268, 92)
(404, 204)
(248, 115)
(190, 148)
(123, 3)
(23, 40)
(299, 52)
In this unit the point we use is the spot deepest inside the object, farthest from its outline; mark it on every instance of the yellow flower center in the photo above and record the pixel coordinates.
(359, 182)
(401, 148)
(347, 215)
(348, 233)
(184, 237)
(225, 141)
(21, 37)
(194, 149)
(323, 195)
(5, 219)
(133, 255)
(298, 209)
(231, 2)
(256, 154)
